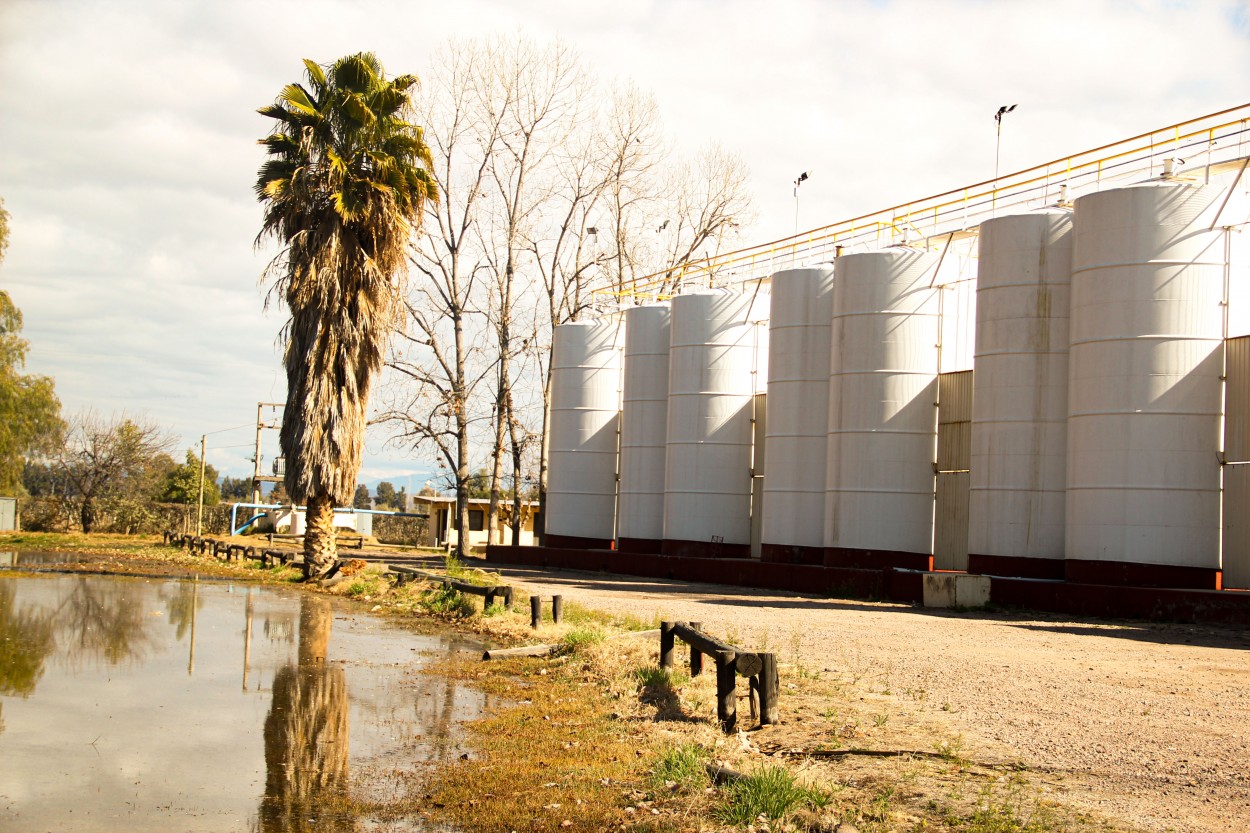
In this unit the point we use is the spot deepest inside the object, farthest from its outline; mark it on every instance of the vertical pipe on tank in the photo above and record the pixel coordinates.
(797, 430)
(644, 429)
(707, 469)
(1020, 399)
(585, 413)
(882, 411)
(1144, 396)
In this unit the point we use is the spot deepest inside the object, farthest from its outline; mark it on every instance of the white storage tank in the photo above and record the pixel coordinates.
(882, 410)
(1145, 392)
(798, 403)
(644, 428)
(1020, 401)
(585, 414)
(718, 348)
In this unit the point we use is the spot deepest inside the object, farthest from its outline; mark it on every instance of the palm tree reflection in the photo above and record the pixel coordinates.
(306, 736)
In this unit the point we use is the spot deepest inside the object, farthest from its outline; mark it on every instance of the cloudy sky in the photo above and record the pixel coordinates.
(128, 133)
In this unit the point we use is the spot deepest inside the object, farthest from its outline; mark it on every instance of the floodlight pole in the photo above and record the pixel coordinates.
(998, 144)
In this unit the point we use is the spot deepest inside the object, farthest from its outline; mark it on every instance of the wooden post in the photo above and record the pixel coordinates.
(536, 611)
(753, 687)
(666, 645)
(489, 598)
(696, 656)
(507, 596)
(557, 609)
(770, 684)
(726, 690)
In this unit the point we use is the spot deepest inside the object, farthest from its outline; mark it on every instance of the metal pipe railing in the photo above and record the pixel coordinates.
(1219, 137)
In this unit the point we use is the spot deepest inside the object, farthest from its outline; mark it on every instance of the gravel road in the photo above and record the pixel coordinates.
(1145, 723)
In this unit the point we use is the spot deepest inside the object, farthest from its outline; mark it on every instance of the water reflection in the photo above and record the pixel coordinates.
(11, 558)
(306, 735)
(94, 688)
(26, 639)
(103, 622)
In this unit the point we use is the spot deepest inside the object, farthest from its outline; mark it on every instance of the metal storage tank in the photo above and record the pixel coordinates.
(798, 397)
(644, 428)
(585, 414)
(1144, 396)
(717, 349)
(1020, 402)
(882, 410)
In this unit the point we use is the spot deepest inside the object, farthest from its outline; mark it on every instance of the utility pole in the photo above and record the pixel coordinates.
(256, 455)
(199, 517)
(257, 477)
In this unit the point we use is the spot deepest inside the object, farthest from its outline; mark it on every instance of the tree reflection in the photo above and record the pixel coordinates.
(103, 620)
(26, 639)
(181, 601)
(306, 736)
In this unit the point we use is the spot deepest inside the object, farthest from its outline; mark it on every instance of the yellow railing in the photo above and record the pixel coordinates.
(1203, 144)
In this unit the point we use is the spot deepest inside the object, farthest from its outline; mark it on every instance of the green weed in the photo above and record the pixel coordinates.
(679, 768)
(772, 792)
(442, 600)
(581, 637)
(1011, 812)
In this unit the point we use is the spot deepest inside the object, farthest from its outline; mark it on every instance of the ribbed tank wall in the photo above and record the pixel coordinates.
(715, 351)
(1020, 399)
(644, 423)
(585, 410)
(882, 414)
(1145, 392)
(798, 399)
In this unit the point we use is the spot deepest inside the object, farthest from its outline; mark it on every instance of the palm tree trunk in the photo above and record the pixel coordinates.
(320, 551)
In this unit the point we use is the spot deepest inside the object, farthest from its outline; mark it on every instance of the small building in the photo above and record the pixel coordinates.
(8, 514)
(441, 531)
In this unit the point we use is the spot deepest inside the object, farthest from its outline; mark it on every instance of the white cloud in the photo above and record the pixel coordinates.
(129, 132)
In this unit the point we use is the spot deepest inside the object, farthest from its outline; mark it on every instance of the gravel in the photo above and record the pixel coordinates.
(1144, 723)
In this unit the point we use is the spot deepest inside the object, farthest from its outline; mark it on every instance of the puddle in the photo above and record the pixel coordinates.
(128, 704)
(16, 559)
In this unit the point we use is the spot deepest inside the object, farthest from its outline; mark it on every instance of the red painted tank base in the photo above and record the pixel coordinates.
(1014, 566)
(704, 549)
(573, 542)
(639, 544)
(1129, 574)
(1223, 607)
(877, 559)
(791, 554)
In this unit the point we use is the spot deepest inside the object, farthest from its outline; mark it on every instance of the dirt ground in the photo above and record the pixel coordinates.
(1143, 723)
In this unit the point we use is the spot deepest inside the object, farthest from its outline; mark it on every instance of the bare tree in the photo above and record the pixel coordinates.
(631, 153)
(433, 403)
(107, 458)
(559, 199)
(543, 89)
(707, 204)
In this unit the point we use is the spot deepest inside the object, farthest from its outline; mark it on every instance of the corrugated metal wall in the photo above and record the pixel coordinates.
(954, 454)
(1236, 542)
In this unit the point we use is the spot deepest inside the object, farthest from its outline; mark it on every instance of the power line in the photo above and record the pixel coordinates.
(224, 430)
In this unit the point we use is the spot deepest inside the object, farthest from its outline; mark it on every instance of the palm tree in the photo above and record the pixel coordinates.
(344, 188)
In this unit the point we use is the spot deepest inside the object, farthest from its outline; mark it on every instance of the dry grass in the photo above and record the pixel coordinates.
(601, 739)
